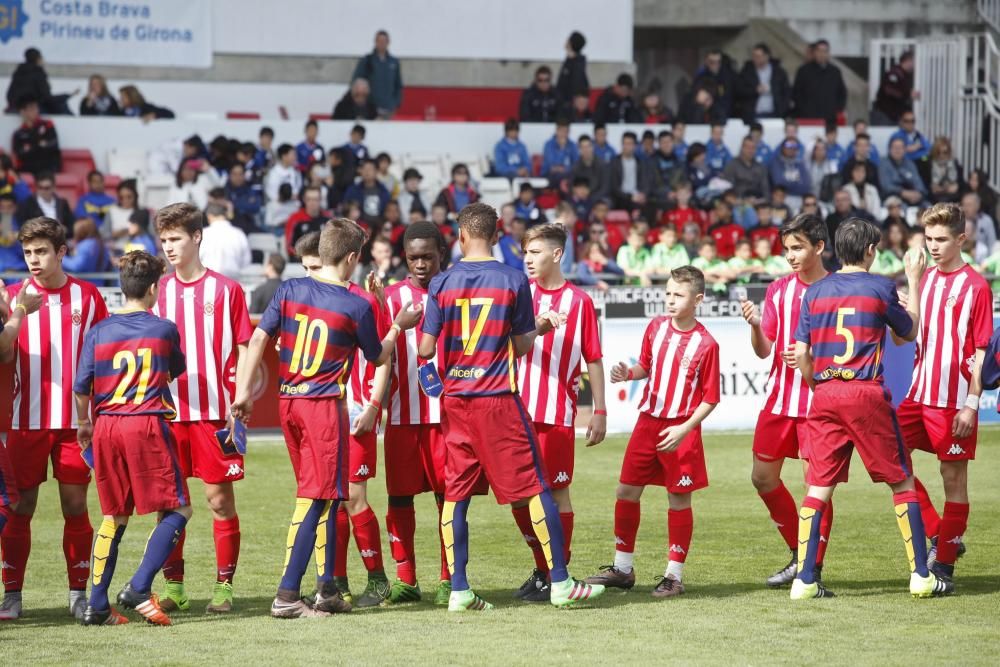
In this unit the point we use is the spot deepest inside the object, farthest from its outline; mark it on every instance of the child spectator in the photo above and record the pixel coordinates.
(263, 158)
(766, 229)
(510, 155)
(382, 163)
(717, 272)
(139, 237)
(668, 165)
(762, 152)
(190, 184)
(510, 244)
(310, 218)
(792, 134)
(597, 260)
(773, 265)
(698, 172)
(89, 254)
(780, 211)
(95, 203)
(790, 172)
(835, 153)
(264, 292)
(602, 149)
(340, 176)
(716, 154)
(283, 171)
(356, 149)
(35, 143)
(580, 197)
(459, 193)
(526, 208)
(724, 231)
(559, 154)
(308, 152)
(11, 182)
(412, 198)
(647, 145)
(668, 253)
(370, 193)
(99, 101)
(653, 110)
(120, 213)
(245, 198)
(743, 264)
(861, 129)
(634, 257)
(691, 238)
(887, 262)
(683, 212)
(744, 214)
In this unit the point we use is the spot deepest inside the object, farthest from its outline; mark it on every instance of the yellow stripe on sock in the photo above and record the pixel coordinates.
(448, 533)
(806, 515)
(302, 506)
(321, 532)
(537, 512)
(903, 519)
(102, 549)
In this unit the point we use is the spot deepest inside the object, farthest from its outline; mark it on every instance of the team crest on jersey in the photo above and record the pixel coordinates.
(685, 362)
(77, 318)
(952, 300)
(209, 309)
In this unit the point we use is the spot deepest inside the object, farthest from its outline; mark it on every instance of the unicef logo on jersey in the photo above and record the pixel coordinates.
(12, 20)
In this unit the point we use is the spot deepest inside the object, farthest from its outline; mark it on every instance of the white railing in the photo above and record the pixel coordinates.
(882, 55)
(977, 132)
(989, 11)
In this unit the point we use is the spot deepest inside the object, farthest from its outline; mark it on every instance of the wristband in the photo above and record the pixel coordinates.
(375, 404)
(399, 329)
(630, 376)
(601, 412)
(23, 309)
(972, 402)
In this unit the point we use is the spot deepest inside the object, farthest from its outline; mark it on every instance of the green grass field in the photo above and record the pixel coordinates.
(726, 617)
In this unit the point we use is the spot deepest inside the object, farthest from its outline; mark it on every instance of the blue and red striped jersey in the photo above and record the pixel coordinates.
(128, 361)
(843, 318)
(321, 325)
(473, 309)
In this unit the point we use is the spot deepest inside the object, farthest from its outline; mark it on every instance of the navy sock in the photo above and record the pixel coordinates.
(301, 541)
(161, 542)
(102, 570)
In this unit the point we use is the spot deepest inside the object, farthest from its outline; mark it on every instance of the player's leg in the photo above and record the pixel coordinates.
(174, 597)
(814, 504)
(73, 475)
(226, 534)
(368, 538)
(825, 527)
(443, 593)
(15, 544)
(916, 435)
(162, 540)
(434, 454)
(343, 541)
(766, 479)
(680, 526)
(404, 478)
(954, 520)
(923, 583)
(109, 536)
(455, 529)
(328, 597)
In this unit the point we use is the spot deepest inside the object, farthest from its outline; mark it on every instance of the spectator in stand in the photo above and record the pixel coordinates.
(580, 199)
(246, 199)
(46, 203)
(283, 171)
(382, 163)
(945, 172)
(634, 257)
(310, 218)
(700, 108)
(598, 233)
(683, 213)
(917, 146)
(748, 177)
(262, 294)
(861, 128)
(134, 105)
(975, 251)
(864, 195)
(573, 79)
(810, 205)
(11, 253)
(979, 183)
(191, 184)
(11, 182)
(579, 111)
(895, 92)
(559, 154)
(139, 237)
(279, 210)
(510, 244)
(526, 208)
(355, 148)
(898, 175)
(308, 151)
(765, 229)
(602, 149)
(823, 174)
(842, 211)
(95, 202)
(99, 101)
(224, 248)
(669, 167)
(699, 174)
(790, 172)
(383, 74)
(120, 213)
(510, 155)
(717, 77)
(716, 270)
(835, 153)
(35, 142)
(986, 228)
(862, 154)
(716, 153)
(592, 168)
(459, 193)
(772, 264)
(647, 145)
(565, 216)
(264, 157)
(653, 110)
(356, 104)
(894, 215)
(615, 105)
(412, 199)
(370, 193)
(792, 134)
(819, 90)
(895, 244)
(780, 211)
(31, 80)
(743, 264)
(633, 181)
(761, 151)
(668, 253)
(539, 102)
(386, 266)
(89, 254)
(680, 146)
(724, 231)
(762, 89)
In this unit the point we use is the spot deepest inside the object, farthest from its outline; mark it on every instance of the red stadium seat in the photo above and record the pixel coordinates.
(77, 161)
(242, 115)
(536, 164)
(548, 199)
(70, 186)
(319, 116)
(111, 182)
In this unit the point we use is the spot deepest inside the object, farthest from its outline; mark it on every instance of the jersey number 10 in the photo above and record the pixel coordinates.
(302, 359)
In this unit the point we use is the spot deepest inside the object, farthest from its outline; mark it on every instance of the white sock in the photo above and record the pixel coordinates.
(623, 561)
(675, 568)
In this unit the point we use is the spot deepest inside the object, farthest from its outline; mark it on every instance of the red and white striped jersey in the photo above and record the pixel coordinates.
(956, 319)
(408, 404)
(211, 316)
(359, 389)
(48, 348)
(549, 374)
(788, 394)
(683, 368)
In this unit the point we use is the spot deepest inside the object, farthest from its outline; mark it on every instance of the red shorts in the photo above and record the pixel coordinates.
(680, 471)
(8, 482)
(779, 437)
(136, 466)
(414, 459)
(557, 444)
(490, 439)
(316, 434)
(363, 457)
(30, 452)
(929, 429)
(854, 415)
(200, 453)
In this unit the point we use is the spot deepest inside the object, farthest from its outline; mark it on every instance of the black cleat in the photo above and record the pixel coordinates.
(541, 594)
(535, 581)
(109, 616)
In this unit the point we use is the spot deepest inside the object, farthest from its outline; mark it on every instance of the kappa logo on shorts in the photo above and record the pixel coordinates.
(362, 471)
(955, 449)
(677, 549)
(560, 478)
(234, 470)
(685, 481)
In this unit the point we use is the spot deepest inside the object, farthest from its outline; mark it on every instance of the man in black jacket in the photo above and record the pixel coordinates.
(539, 101)
(356, 104)
(615, 105)
(633, 181)
(699, 108)
(716, 76)
(35, 142)
(591, 167)
(45, 202)
(762, 88)
(31, 80)
(895, 91)
(819, 90)
(573, 73)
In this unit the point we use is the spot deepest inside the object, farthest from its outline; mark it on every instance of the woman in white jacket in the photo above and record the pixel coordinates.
(864, 195)
(193, 181)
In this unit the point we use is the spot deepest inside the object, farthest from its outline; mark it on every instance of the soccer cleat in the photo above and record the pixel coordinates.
(535, 581)
(930, 586)
(109, 616)
(401, 592)
(330, 601)
(932, 552)
(10, 608)
(803, 591)
(146, 605)
(375, 592)
(460, 601)
(174, 598)
(542, 594)
(611, 577)
(668, 587)
(443, 594)
(77, 603)
(297, 609)
(222, 598)
(570, 592)
(345, 589)
(942, 571)
(785, 575)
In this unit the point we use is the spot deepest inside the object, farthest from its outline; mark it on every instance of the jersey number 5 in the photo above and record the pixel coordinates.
(846, 333)
(125, 359)
(301, 358)
(471, 333)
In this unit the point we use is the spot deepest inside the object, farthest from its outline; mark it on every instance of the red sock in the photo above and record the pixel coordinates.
(932, 521)
(367, 537)
(567, 526)
(173, 569)
(825, 523)
(227, 547)
(680, 525)
(343, 537)
(16, 545)
(785, 515)
(626, 525)
(953, 522)
(401, 524)
(78, 540)
(522, 517)
(445, 573)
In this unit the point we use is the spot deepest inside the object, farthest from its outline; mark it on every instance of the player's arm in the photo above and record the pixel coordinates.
(365, 422)
(966, 418)
(83, 385)
(804, 361)
(544, 323)
(242, 402)
(84, 427)
(673, 436)
(598, 426)
(25, 304)
(914, 264)
(622, 372)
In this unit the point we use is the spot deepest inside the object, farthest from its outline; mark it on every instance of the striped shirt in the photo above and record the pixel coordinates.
(408, 404)
(788, 394)
(683, 369)
(359, 389)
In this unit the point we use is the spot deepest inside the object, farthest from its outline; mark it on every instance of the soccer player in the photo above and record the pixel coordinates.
(210, 311)
(549, 376)
(838, 347)
(680, 358)
(414, 444)
(321, 325)
(780, 432)
(127, 363)
(43, 424)
(940, 413)
(481, 311)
